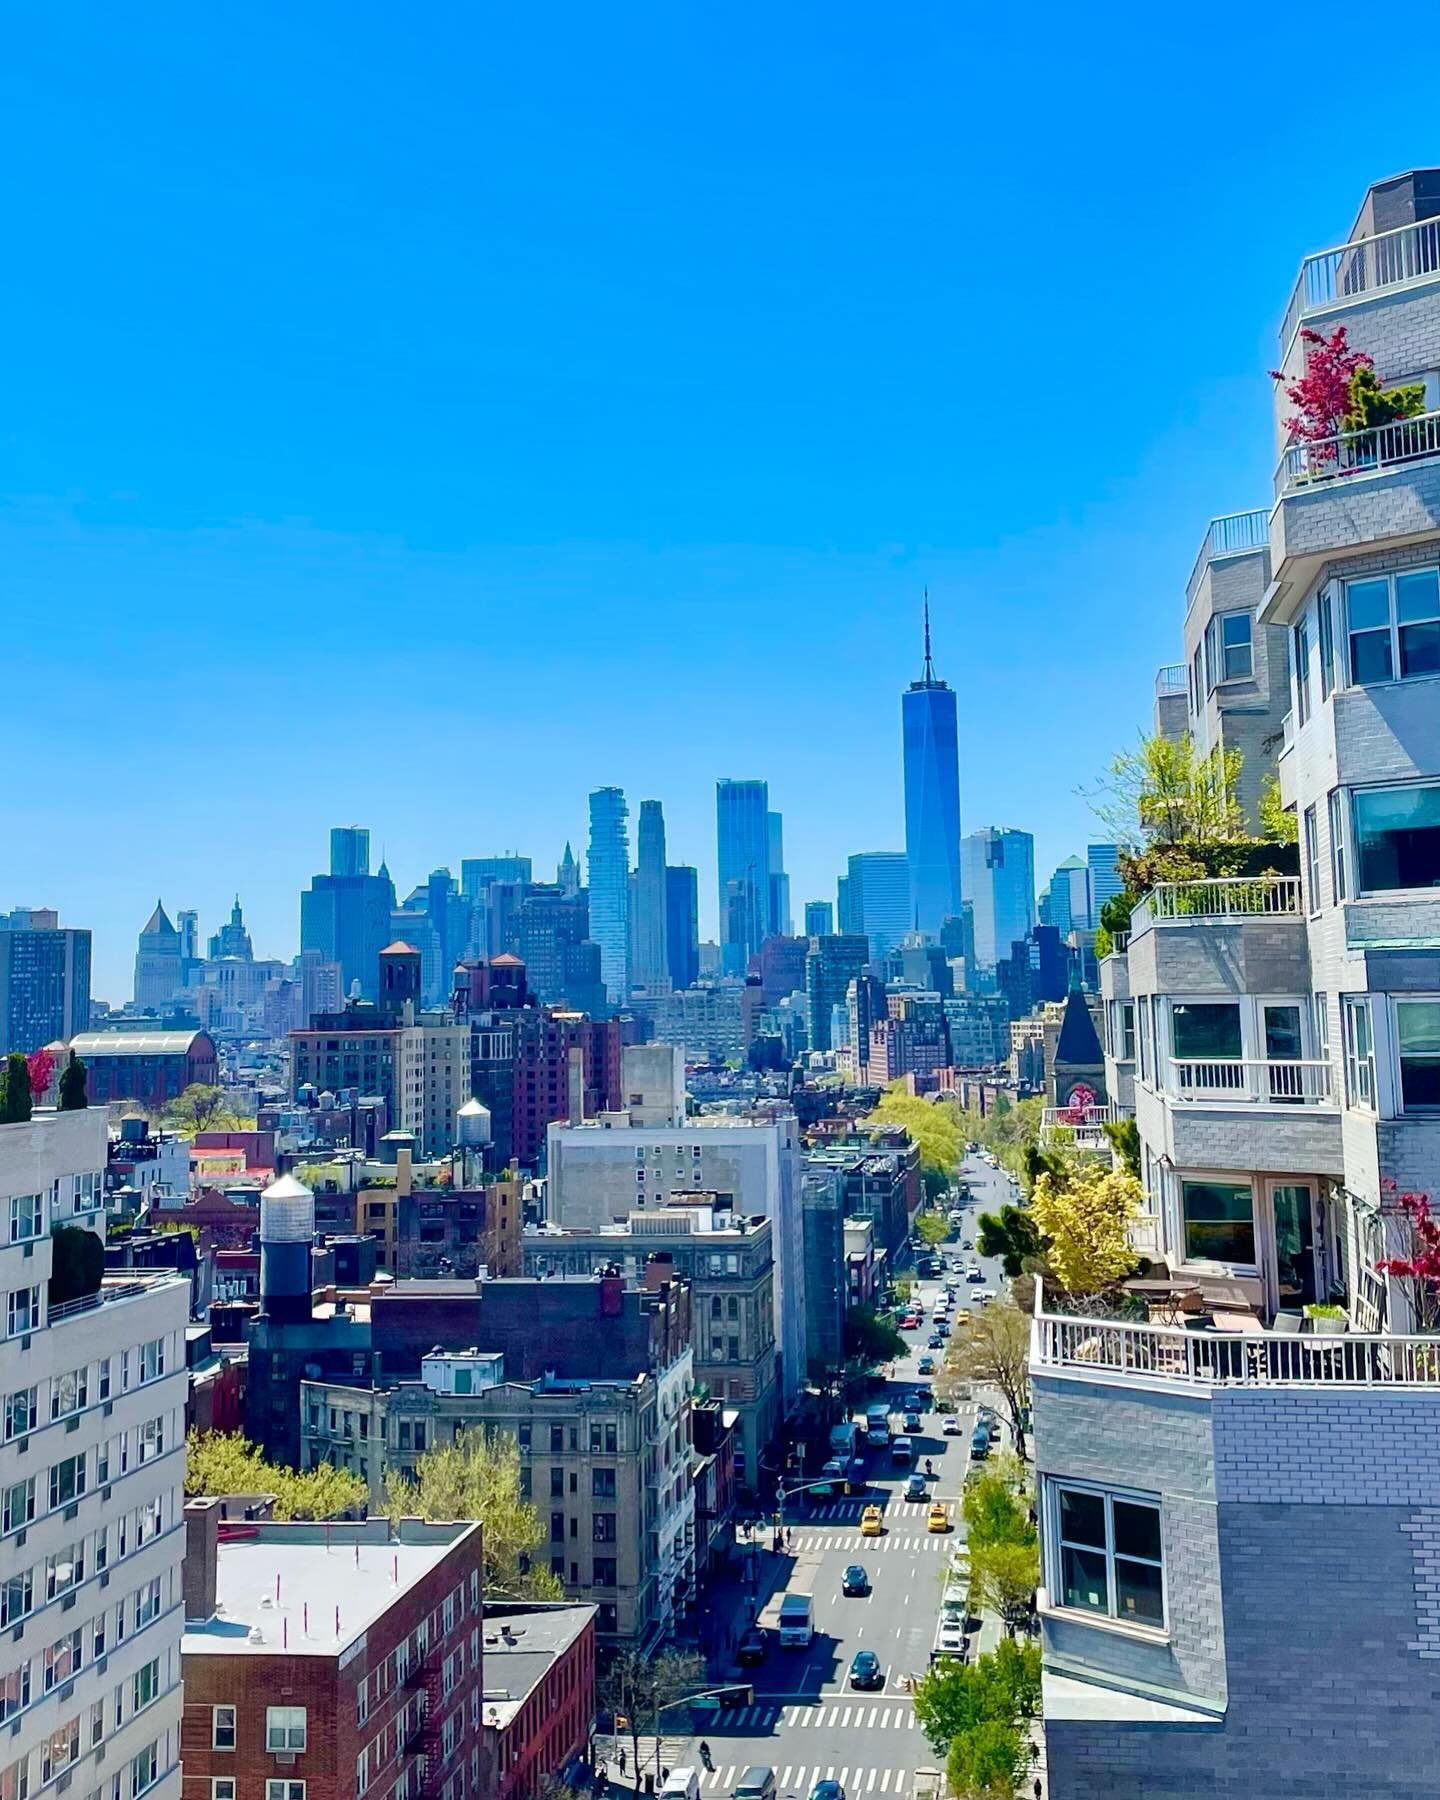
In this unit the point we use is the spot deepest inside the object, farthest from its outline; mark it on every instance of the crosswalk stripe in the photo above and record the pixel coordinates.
(785, 1779)
(834, 1715)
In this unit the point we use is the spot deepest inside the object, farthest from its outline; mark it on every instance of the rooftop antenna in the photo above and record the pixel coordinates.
(929, 674)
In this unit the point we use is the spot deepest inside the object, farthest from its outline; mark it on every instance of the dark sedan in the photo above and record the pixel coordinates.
(855, 1580)
(865, 1670)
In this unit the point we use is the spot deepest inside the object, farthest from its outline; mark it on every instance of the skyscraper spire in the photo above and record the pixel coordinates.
(929, 674)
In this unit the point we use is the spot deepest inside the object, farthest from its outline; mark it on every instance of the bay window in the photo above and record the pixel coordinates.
(1109, 1557)
(1397, 837)
(1417, 1028)
(1229, 655)
(1393, 624)
(1219, 1221)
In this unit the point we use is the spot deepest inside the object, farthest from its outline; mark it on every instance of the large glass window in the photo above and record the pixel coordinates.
(1205, 1031)
(1219, 1220)
(1110, 1555)
(1418, 1031)
(1394, 625)
(1397, 838)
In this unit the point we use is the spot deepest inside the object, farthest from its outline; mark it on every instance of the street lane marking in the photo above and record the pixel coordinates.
(885, 1782)
(785, 1779)
(873, 1711)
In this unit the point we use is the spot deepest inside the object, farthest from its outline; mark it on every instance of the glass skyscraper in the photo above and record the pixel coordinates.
(742, 833)
(878, 891)
(1105, 880)
(609, 872)
(997, 870)
(932, 798)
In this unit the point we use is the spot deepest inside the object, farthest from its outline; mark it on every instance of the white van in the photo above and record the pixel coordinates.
(681, 1784)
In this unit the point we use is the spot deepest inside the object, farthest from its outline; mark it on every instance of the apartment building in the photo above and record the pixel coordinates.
(1239, 1504)
(334, 1660)
(605, 1461)
(728, 1261)
(91, 1478)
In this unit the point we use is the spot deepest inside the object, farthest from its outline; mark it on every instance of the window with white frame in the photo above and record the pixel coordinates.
(284, 1728)
(19, 1413)
(1320, 1008)
(284, 1790)
(1312, 860)
(1325, 618)
(1417, 1035)
(222, 1727)
(1338, 879)
(1397, 837)
(69, 1392)
(17, 1506)
(145, 1769)
(27, 1217)
(1301, 636)
(1108, 1557)
(1229, 655)
(1359, 1050)
(1219, 1220)
(222, 1787)
(22, 1311)
(1393, 625)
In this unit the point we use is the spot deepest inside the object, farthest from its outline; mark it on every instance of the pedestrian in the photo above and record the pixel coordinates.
(622, 1762)
(649, 1782)
(664, 1776)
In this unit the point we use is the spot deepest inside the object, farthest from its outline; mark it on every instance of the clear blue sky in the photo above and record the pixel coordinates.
(422, 415)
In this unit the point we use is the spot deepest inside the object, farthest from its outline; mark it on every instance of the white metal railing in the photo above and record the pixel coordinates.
(1084, 1127)
(1248, 1080)
(1170, 678)
(1231, 534)
(1388, 260)
(1359, 452)
(1119, 944)
(1170, 1353)
(1225, 897)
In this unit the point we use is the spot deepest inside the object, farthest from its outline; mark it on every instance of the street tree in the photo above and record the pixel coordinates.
(478, 1477)
(1013, 1236)
(1085, 1212)
(995, 1351)
(932, 1227)
(642, 1689)
(992, 1513)
(988, 1762)
(225, 1462)
(200, 1107)
(933, 1125)
(1006, 1576)
(870, 1339)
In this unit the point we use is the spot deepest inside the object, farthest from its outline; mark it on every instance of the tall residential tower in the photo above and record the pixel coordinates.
(742, 831)
(609, 869)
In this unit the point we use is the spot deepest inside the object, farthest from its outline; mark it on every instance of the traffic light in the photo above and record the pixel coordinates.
(621, 1722)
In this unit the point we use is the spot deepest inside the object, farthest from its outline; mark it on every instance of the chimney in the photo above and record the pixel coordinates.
(659, 1271)
(404, 1174)
(202, 1557)
(576, 1085)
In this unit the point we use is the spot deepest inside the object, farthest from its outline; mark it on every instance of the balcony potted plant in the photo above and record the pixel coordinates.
(1326, 1320)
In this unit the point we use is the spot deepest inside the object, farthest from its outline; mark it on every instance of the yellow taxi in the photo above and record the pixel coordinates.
(872, 1522)
(939, 1518)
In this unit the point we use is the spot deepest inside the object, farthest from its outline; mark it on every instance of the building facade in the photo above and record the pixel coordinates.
(998, 870)
(148, 1067)
(932, 800)
(609, 872)
(44, 980)
(742, 835)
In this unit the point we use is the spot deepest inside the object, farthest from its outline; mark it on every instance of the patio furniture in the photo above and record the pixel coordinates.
(1288, 1324)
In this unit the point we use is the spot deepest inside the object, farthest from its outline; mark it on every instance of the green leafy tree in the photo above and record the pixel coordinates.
(1013, 1236)
(225, 1462)
(201, 1108)
(478, 1477)
(1005, 1577)
(932, 1227)
(870, 1338)
(645, 1690)
(932, 1125)
(988, 1762)
(992, 1513)
(73, 1078)
(1085, 1213)
(1165, 791)
(15, 1090)
(1372, 406)
(1124, 1136)
(77, 1263)
(1278, 822)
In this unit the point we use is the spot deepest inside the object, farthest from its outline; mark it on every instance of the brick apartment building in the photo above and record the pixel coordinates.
(539, 1694)
(331, 1662)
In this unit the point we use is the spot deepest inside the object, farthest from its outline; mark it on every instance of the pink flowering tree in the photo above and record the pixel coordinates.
(1322, 397)
(1418, 1268)
(41, 1065)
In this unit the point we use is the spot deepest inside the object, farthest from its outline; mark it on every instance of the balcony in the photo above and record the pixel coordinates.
(1225, 897)
(1172, 1356)
(1243, 1081)
(1406, 257)
(1082, 1128)
(1232, 534)
(1351, 453)
(113, 1292)
(1170, 679)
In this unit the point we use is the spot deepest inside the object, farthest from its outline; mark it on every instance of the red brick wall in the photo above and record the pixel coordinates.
(552, 1727)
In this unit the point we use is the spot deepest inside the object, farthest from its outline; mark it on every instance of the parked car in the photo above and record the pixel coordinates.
(827, 1790)
(872, 1522)
(865, 1670)
(950, 1639)
(980, 1443)
(974, 1273)
(752, 1646)
(939, 1519)
(981, 1295)
(855, 1580)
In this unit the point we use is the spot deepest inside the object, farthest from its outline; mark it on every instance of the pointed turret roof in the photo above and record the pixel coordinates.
(158, 925)
(1077, 1043)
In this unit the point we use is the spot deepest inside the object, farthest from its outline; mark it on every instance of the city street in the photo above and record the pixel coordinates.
(807, 1723)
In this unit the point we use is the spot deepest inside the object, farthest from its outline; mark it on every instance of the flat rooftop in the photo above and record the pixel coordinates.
(347, 1578)
(514, 1665)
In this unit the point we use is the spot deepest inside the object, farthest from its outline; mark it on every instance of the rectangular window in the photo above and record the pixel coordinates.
(1397, 838)
(60, 1749)
(603, 1571)
(19, 1413)
(1235, 659)
(15, 1691)
(1337, 844)
(1208, 1030)
(1109, 1555)
(69, 1393)
(67, 1481)
(284, 1729)
(1127, 1030)
(64, 1569)
(557, 1484)
(1417, 621)
(222, 1787)
(16, 1597)
(145, 1769)
(557, 1527)
(1417, 1029)
(27, 1217)
(1312, 860)
(23, 1311)
(18, 1506)
(602, 1484)
(1367, 619)
(1302, 673)
(1326, 615)
(222, 1727)
(62, 1659)
(146, 1687)
(603, 1528)
(1219, 1221)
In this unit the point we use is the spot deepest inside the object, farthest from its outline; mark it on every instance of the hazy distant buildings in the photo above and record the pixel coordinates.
(682, 924)
(345, 916)
(44, 980)
(1067, 903)
(819, 918)
(831, 965)
(779, 880)
(998, 872)
(157, 962)
(609, 867)
(876, 894)
(742, 835)
(932, 799)
(1103, 861)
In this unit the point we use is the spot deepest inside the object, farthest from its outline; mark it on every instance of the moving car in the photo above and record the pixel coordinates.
(872, 1522)
(681, 1784)
(981, 1295)
(939, 1519)
(927, 1365)
(935, 1341)
(951, 1427)
(757, 1783)
(915, 1488)
(912, 1421)
(974, 1273)
(827, 1790)
(901, 1450)
(855, 1580)
(943, 1325)
(865, 1670)
(980, 1442)
(752, 1646)
(968, 1244)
